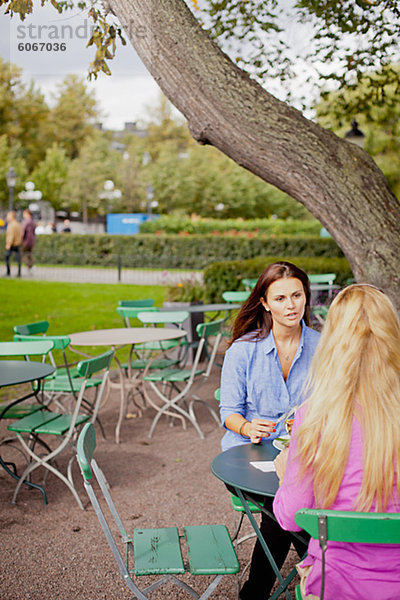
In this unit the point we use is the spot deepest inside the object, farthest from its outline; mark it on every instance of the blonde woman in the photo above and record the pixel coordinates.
(345, 447)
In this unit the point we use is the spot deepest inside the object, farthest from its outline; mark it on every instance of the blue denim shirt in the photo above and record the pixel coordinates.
(252, 382)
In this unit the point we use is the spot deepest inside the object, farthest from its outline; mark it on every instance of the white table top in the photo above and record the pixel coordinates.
(124, 335)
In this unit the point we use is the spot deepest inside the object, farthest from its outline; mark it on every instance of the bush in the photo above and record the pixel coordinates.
(171, 251)
(169, 224)
(227, 275)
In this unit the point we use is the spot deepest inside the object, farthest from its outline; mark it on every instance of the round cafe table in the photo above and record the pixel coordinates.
(117, 338)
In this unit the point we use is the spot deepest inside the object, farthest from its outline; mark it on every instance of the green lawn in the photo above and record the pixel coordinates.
(69, 307)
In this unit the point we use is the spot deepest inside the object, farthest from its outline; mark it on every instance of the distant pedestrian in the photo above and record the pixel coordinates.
(13, 241)
(40, 228)
(28, 238)
(67, 226)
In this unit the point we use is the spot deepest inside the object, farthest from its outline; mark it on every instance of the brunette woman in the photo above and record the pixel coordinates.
(262, 377)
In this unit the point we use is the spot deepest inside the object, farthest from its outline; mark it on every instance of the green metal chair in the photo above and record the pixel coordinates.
(140, 303)
(236, 296)
(177, 388)
(156, 551)
(64, 427)
(36, 328)
(322, 278)
(350, 527)
(131, 312)
(65, 383)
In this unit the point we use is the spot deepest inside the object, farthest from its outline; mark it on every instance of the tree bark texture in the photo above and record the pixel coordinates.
(338, 182)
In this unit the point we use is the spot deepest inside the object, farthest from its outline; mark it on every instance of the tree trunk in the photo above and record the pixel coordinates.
(335, 180)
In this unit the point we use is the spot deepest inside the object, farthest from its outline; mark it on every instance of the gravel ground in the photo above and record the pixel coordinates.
(58, 552)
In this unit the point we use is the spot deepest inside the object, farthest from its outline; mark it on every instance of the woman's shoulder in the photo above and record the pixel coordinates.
(311, 334)
(246, 343)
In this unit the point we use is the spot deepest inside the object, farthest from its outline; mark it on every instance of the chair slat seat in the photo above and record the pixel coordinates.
(63, 384)
(61, 425)
(171, 375)
(160, 363)
(157, 551)
(210, 550)
(31, 422)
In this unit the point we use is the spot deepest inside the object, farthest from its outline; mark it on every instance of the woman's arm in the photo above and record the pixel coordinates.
(295, 492)
(233, 407)
(254, 429)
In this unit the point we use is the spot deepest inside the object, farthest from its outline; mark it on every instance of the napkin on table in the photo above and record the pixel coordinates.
(267, 466)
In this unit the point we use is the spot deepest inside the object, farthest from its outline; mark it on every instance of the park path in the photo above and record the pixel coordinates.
(102, 275)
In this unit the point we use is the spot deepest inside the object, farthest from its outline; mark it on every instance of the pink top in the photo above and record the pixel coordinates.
(352, 571)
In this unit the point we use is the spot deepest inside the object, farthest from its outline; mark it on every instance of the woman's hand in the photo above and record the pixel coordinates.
(258, 429)
(280, 464)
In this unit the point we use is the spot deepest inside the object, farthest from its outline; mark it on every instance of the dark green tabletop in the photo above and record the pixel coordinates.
(233, 467)
(14, 372)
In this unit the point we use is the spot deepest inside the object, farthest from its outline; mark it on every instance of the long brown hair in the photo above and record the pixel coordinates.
(252, 316)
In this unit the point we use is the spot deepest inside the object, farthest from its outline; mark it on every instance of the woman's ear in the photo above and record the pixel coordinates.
(265, 305)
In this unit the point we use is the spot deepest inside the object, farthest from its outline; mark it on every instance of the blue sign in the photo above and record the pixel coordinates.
(125, 224)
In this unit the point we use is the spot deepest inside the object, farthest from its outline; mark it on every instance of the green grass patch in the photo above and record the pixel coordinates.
(68, 307)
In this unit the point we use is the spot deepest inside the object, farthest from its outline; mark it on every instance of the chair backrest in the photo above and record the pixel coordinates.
(90, 366)
(205, 331)
(142, 303)
(249, 283)
(354, 527)
(85, 456)
(60, 342)
(131, 312)
(163, 317)
(32, 328)
(39, 347)
(86, 368)
(348, 526)
(236, 295)
(322, 278)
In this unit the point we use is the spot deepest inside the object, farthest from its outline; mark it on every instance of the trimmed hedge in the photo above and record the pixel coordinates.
(227, 275)
(171, 251)
(180, 224)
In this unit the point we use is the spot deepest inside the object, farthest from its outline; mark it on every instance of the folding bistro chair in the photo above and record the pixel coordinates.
(65, 383)
(351, 527)
(131, 312)
(63, 426)
(176, 387)
(157, 551)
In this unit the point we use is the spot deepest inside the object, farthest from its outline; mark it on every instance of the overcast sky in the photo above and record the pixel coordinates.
(129, 91)
(122, 97)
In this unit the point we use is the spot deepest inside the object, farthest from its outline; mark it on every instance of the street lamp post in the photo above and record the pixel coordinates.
(110, 193)
(355, 135)
(11, 182)
(150, 202)
(31, 195)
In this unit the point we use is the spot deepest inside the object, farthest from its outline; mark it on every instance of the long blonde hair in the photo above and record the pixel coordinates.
(355, 373)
